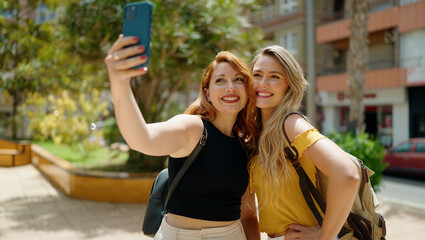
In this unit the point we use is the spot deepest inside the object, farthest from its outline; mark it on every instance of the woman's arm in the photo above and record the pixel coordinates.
(249, 218)
(177, 136)
(343, 176)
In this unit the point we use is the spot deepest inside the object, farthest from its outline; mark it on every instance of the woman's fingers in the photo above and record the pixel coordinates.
(120, 60)
(132, 73)
(124, 53)
(128, 52)
(296, 231)
(127, 63)
(296, 227)
(126, 75)
(122, 42)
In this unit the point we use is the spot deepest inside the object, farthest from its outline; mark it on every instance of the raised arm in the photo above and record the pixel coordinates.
(177, 136)
(343, 176)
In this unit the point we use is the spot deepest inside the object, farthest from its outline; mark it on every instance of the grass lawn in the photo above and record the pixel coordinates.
(99, 159)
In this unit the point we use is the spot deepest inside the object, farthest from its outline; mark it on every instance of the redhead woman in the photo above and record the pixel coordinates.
(279, 84)
(211, 200)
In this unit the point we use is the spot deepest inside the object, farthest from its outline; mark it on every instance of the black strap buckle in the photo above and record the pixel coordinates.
(204, 137)
(203, 140)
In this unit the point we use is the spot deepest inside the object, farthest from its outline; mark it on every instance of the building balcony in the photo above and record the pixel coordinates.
(266, 14)
(372, 65)
(407, 18)
(378, 21)
(374, 6)
(381, 78)
(271, 19)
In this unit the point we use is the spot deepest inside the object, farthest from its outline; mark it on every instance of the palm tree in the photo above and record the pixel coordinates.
(357, 58)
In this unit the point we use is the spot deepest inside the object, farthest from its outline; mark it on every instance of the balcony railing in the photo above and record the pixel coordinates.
(268, 13)
(372, 65)
(374, 6)
(265, 14)
(381, 64)
(335, 69)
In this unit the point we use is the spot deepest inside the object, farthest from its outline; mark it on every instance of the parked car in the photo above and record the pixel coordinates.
(407, 157)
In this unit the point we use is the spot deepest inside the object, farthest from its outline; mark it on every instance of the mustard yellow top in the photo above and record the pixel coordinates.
(275, 214)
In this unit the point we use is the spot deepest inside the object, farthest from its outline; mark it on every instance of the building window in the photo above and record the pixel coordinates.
(289, 41)
(412, 49)
(288, 6)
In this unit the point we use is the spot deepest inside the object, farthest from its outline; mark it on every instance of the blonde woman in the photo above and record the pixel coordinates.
(211, 200)
(279, 84)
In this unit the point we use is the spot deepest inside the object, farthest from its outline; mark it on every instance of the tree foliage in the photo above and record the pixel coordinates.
(20, 40)
(68, 52)
(69, 120)
(186, 35)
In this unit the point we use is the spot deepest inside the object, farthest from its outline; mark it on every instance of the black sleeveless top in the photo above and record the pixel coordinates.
(214, 184)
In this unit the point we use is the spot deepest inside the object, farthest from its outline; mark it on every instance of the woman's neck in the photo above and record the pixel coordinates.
(225, 124)
(266, 114)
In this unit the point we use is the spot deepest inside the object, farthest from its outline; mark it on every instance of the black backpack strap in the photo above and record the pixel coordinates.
(308, 189)
(186, 166)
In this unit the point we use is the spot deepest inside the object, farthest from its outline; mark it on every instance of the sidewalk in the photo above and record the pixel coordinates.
(32, 208)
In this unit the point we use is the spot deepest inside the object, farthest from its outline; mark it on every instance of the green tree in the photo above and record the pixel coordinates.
(20, 40)
(186, 35)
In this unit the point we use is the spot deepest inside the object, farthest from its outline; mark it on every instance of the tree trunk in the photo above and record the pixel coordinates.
(357, 58)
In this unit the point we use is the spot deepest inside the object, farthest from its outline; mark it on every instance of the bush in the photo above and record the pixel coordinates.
(365, 148)
(111, 132)
(66, 119)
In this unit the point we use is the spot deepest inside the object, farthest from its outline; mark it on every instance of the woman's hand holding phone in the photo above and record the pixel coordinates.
(121, 59)
(129, 56)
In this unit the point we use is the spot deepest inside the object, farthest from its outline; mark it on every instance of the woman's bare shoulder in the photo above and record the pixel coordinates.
(295, 125)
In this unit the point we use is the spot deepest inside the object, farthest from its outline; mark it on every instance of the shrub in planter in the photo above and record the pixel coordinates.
(365, 148)
(66, 118)
(111, 132)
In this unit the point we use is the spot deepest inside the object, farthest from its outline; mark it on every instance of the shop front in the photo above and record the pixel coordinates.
(386, 113)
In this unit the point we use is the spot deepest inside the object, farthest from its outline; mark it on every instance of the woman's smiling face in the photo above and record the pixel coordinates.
(270, 84)
(226, 90)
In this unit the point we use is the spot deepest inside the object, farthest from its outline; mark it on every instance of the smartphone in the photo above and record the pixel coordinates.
(137, 21)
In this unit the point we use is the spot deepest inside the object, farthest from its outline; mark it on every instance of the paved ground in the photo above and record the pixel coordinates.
(31, 208)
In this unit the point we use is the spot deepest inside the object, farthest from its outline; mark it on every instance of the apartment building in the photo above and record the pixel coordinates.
(284, 23)
(395, 80)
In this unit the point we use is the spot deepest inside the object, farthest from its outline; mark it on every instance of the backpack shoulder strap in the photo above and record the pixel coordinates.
(308, 189)
(293, 149)
(202, 142)
(284, 120)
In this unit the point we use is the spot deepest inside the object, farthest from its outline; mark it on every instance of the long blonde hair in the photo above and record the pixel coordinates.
(271, 143)
(245, 125)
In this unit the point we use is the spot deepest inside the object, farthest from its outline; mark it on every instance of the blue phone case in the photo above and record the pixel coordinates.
(137, 22)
